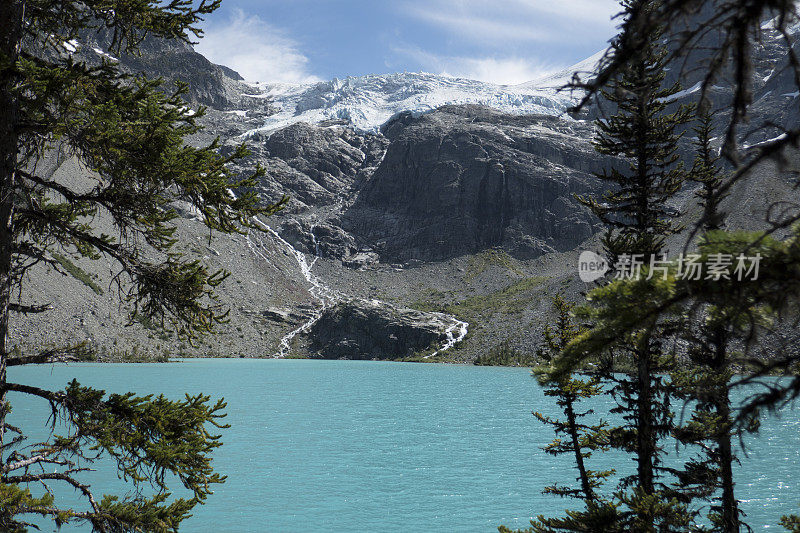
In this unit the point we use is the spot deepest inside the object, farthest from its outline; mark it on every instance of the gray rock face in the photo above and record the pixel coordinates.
(321, 240)
(774, 90)
(465, 178)
(456, 181)
(367, 329)
(314, 166)
(361, 260)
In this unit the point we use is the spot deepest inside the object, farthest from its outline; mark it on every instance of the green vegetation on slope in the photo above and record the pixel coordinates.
(506, 355)
(77, 272)
(507, 301)
(481, 262)
(481, 312)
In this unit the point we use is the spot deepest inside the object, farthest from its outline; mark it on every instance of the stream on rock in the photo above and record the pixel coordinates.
(452, 337)
(327, 297)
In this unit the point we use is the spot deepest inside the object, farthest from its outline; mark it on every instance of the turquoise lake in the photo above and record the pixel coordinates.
(368, 446)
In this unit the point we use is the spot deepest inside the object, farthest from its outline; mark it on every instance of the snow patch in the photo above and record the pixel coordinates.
(686, 92)
(772, 25)
(71, 46)
(100, 52)
(586, 68)
(763, 143)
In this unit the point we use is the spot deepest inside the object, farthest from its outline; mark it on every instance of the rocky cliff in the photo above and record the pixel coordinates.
(465, 178)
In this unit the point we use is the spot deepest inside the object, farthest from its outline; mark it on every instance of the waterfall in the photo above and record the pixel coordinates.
(328, 297)
(325, 296)
(451, 338)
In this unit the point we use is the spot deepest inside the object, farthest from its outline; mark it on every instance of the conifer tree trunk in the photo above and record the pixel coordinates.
(645, 435)
(730, 509)
(11, 27)
(576, 445)
(645, 449)
(713, 217)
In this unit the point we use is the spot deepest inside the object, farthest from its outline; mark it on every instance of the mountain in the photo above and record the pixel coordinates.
(209, 84)
(426, 213)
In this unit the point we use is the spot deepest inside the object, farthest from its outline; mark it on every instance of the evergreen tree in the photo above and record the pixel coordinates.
(707, 171)
(644, 133)
(129, 133)
(716, 313)
(791, 523)
(731, 310)
(706, 380)
(573, 436)
(736, 25)
(706, 384)
(580, 440)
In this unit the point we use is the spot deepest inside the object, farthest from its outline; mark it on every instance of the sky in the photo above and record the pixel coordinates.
(498, 41)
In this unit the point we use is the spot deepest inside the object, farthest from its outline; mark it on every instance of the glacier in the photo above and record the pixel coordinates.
(367, 102)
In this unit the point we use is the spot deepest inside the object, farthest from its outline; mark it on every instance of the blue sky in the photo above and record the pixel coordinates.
(500, 41)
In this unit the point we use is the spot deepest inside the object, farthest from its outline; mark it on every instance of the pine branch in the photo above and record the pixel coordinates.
(71, 354)
(30, 461)
(29, 309)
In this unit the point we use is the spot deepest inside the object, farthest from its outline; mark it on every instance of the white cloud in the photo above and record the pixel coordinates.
(594, 11)
(481, 28)
(258, 51)
(499, 70)
(508, 71)
(505, 21)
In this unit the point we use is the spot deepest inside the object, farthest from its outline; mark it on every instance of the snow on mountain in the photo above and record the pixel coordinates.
(559, 79)
(367, 102)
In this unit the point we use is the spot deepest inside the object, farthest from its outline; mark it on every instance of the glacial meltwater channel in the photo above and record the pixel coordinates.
(366, 446)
